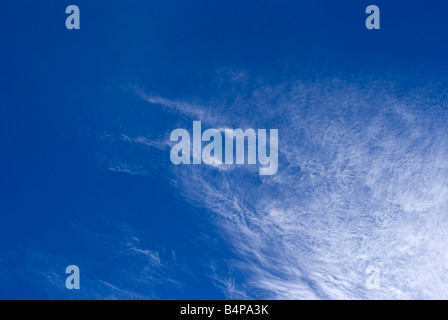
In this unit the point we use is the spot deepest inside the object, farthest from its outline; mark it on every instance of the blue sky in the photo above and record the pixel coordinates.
(85, 117)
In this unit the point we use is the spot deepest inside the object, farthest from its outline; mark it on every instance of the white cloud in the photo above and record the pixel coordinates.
(362, 181)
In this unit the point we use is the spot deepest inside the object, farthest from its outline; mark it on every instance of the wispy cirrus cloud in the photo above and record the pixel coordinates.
(362, 180)
(178, 107)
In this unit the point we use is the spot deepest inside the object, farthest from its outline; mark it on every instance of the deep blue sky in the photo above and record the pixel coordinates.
(64, 93)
